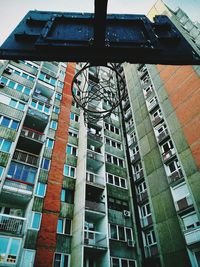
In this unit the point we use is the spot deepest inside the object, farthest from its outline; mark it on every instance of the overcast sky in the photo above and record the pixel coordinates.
(12, 11)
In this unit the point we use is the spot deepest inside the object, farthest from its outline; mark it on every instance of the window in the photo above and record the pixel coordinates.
(56, 109)
(74, 117)
(111, 128)
(61, 260)
(113, 143)
(21, 73)
(145, 210)
(64, 226)
(9, 123)
(120, 262)
(167, 146)
(9, 249)
(115, 180)
(120, 232)
(5, 145)
(190, 221)
(1, 171)
(115, 160)
(22, 172)
(156, 114)
(60, 84)
(58, 96)
(39, 106)
(49, 143)
(40, 189)
(28, 258)
(71, 150)
(45, 164)
(53, 125)
(67, 195)
(15, 86)
(69, 171)
(141, 188)
(73, 133)
(46, 78)
(36, 220)
(17, 104)
(173, 167)
(150, 238)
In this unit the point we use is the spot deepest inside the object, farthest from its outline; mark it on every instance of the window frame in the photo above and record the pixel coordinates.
(32, 220)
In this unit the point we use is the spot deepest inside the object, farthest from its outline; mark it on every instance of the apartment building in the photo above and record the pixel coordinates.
(120, 192)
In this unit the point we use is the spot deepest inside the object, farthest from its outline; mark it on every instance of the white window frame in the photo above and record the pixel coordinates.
(110, 142)
(1, 145)
(17, 104)
(47, 142)
(62, 259)
(32, 219)
(114, 180)
(56, 125)
(112, 160)
(71, 150)
(144, 210)
(42, 104)
(8, 250)
(37, 189)
(121, 259)
(109, 126)
(64, 225)
(69, 174)
(125, 234)
(31, 264)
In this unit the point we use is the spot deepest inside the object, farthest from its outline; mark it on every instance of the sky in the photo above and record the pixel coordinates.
(12, 12)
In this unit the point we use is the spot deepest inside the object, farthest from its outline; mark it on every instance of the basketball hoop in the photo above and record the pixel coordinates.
(93, 86)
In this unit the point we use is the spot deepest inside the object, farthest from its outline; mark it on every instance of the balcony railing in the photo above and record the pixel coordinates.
(42, 98)
(157, 120)
(135, 157)
(192, 236)
(18, 186)
(95, 239)
(132, 142)
(152, 105)
(26, 158)
(96, 137)
(11, 224)
(175, 176)
(95, 206)
(95, 179)
(183, 203)
(95, 156)
(168, 155)
(138, 175)
(162, 135)
(30, 133)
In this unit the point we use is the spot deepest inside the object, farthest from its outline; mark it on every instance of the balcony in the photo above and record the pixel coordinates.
(11, 224)
(95, 239)
(95, 180)
(135, 157)
(142, 196)
(42, 98)
(94, 160)
(146, 221)
(95, 206)
(192, 236)
(157, 120)
(152, 105)
(138, 175)
(128, 115)
(32, 134)
(168, 155)
(132, 142)
(26, 158)
(18, 186)
(183, 203)
(148, 93)
(162, 136)
(95, 137)
(175, 176)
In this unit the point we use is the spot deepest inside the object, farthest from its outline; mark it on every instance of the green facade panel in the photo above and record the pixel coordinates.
(11, 112)
(116, 170)
(69, 183)
(38, 204)
(8, 134)
(114, 151)
(15, 94)
(47, 152)
(71, 160)
(43, 176)
(63, 244)
(73, 140)
(66, 210)
(31, 239)
(4, 157)
(121, 250)
(116, 192)
(113, 135)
